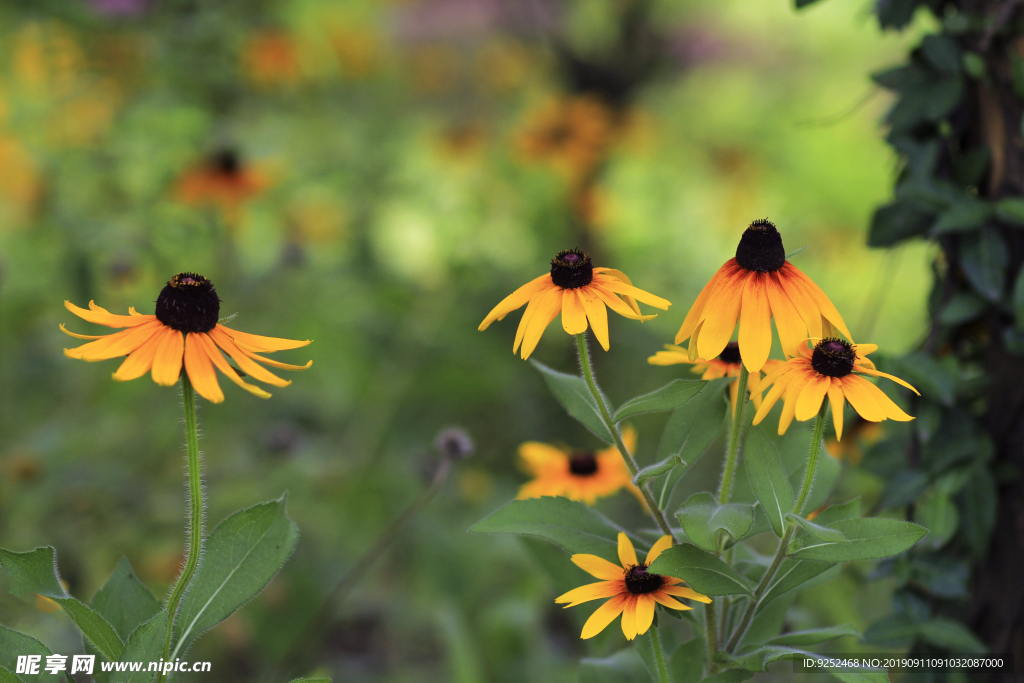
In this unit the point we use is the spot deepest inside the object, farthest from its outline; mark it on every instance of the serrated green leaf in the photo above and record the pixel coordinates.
(702, 516)
(868, 538)
(35, 571)
(573, 393)
(821, 533)
(658, 469)
(123, 601)
(145, 644)
(768, 478)
(984, 258)
(14, 643)
(814, 636)
(241, 556)
(963, 216)
(569, 524)
(704, 572)
(669, 397)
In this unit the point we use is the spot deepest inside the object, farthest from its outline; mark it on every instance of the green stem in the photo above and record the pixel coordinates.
(711, 633)
(195, 497)
(659, 657)
(780, 554)
(588, 375)
(735, 436)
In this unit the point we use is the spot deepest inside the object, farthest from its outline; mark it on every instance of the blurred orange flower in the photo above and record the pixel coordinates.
(222, 181)
(271, 58)
(571, 135)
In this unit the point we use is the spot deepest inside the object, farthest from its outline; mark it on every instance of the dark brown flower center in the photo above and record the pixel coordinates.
(227, 162)
(833, 357)
(640, 581)
(571, 269)
(731, 354)
(188, 303)
(760, 248)
(583, 464)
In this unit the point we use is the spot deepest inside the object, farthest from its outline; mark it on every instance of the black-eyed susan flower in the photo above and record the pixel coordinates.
(580, 292)
(757, 285)
(571, 135)
(831, 369)
(184, 331)
(222, 181)
(727, 364)
(579, 475)
(633, 591)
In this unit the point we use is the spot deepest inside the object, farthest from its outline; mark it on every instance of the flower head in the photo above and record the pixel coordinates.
(757, 285)
(577, 290)
(222, 181)
(579, 475)
(184, 331)
(633, 590)
(727, 364)
(833, 368)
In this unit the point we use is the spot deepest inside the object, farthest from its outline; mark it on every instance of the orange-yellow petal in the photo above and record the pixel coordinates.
(616, 304)
(516, 299)
(139, 361)
(101, 316)
(68, 332)
(808, 403)
(686, 592)
(644, 613)
(891, 410)
(168, 358)
(246, 364)
(547, 310)
(199, 368)
(662, 544)
(597, 566)
(670, 602)
(720, 314)
(696, 312)
(602, 616)
(755, 335)
(876, 373)
(218, 360)
(597, 314)
(835, 398)
(574, 318)
(821, 301)
(624, 289)
(629, 617)
(627, 555)
(118, 344)
(791, 327)
(854, 388)
(254, 342)
(592, 591)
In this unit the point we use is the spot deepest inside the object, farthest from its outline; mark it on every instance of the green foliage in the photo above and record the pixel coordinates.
(767, 478)
(12, 644)
(702, 517)
(658, 469)
(145, 644)
(704, 572)
(671, 396)
(868, 538)
(572, 392)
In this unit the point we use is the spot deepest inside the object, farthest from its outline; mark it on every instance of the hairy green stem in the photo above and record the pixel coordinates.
(780, 554)
(588, 375)
(659, 657)
(711, 633)
(195, 497)
(735, 436)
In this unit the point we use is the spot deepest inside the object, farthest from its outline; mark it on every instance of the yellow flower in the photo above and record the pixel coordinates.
(828, 370)
(183, 331)
(632, 589)
(579, 475)
(727, 364)
(580, 293)
(755, 286)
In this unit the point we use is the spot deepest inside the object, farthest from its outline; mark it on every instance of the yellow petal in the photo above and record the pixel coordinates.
(602, 616)
(257, 372)
(199, 368)
(791, 327)
(686, 592)
(809, 401)
(139, 361)
(547, 309)
(592, 591)
(516, 299)
(696, 312)
(627, 555)
(755, 336)
(620, 287)
(218, 360)
(629, 618)
(876, 373)
(658, 548)
(835, 398)
(644, 613)
(101, 316)
(856, 392)
(820, 300)
(670, 602)
(80, 336)
(891, 410)
(597, 566)
(574, 318)
(254, 342)
(802, 302)
(168, 358)
(597, 314)
(118, 344)
(720, 314)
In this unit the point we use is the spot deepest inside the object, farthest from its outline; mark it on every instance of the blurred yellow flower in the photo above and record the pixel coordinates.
(828, 370)
(569, 134)
(755, 286)
(634, 591)
(270, 58)
(579, 475)
(580, 293)
(184, 330)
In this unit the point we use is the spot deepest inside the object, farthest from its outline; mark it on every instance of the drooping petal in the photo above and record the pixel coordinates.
(644, 613)
(214, 354)
(602, 616)
(627, 555)
(791, 327)
(691, 350)
(118, 344)
(547, 309)
(80, 336)
(808, 403)
(802, 302)
(720, 314)
(254, 342)
(796, 385)
(101, 316)
(139, 361)
(616, 304)
(630, 301)
(592, 591)
(597, 566)
(574, 318)
(891, 410)
(597, 314)
(696, 312)
(516, 299)
(686, 592)
(835, 399)
(670, 602)
(620, 287)
(781, 383)
(662, 544)
(755, 336)
(861, 399)
(247, 366)
(734, 394)
(199, 368)
(168, 359)
(629, 617)
(821, 301)
(524, 323)
(536, 456)
(876, 373)
(275, 364)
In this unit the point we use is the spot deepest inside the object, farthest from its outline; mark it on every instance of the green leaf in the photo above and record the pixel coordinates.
(814, 636)
(570, 524)
(658, 469)
(702, 516)
(833, 513)
(311, 680)
(962, 307)
(928, 376)
(145, 644)
(35, 572)
(622, 667)
(123, 601)
(939, 515)
(974, 65)
(730, 676)
(800, 250)
(687, 663)
(985, 258)
(704, 572)
(768, 478)
(896, 630)
(978, 511)
(947, 633)
(942, 53)
(817, 531)
(242, 555)
(1011, 210)
(1018, 302)
(795, 574)
(898, 221)
(574, 395)
(962, 216)
(14, 643)
(7, 677)
(861, 676)
(669, 397)
(868, 538)
(694, 426)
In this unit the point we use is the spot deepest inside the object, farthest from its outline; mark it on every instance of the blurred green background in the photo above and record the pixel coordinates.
(376, 176)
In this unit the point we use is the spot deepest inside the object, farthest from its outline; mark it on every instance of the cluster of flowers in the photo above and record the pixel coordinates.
(748, 291)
